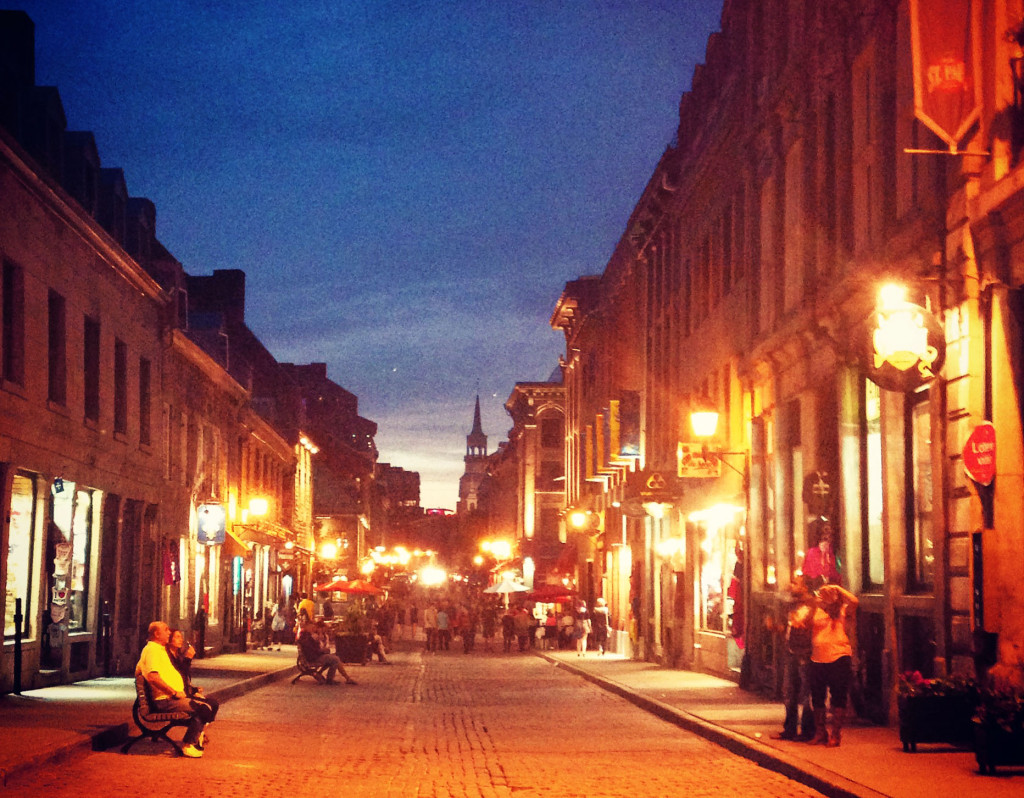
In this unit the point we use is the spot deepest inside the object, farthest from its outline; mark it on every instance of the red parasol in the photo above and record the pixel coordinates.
(550, 594)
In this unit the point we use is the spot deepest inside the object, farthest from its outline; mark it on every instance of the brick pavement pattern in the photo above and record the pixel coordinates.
(443, 725)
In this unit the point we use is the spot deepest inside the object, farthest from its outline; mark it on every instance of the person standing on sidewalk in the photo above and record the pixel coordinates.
(796, 687)
(168, 688)
(831, 662)
(600, 624)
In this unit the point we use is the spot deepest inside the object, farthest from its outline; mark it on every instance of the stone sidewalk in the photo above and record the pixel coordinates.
(870, 761)
(52, 723)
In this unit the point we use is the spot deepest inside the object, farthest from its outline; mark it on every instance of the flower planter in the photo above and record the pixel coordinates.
(934, 718)
(994, 746)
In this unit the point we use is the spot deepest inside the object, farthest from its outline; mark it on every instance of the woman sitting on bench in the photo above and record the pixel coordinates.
(181, 658)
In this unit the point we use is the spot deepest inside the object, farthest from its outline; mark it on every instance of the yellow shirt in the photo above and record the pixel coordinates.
(154, 658)
(309, 607)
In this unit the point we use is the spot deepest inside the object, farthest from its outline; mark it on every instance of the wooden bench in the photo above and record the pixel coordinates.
(305, 669)
(153, 725)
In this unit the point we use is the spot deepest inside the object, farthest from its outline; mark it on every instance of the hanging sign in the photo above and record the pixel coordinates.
(903, 347)
(691, 462)
(211, 523)
(946, 94)
(980, 454)
(818, 493)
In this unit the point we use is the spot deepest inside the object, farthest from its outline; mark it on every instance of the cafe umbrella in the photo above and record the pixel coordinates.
(506, 586)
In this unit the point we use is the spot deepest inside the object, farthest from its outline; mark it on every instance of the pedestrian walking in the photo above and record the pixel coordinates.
(508, 629)
(444, 628)
(582, 629)
(430, 626)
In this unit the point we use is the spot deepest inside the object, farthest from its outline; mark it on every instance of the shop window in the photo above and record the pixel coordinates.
(213, 584)
(720, 530)
(69, 546)
(861, 469)
(21, 555)
(920, 529)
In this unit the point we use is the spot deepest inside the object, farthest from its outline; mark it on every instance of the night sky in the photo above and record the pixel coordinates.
(407, 185)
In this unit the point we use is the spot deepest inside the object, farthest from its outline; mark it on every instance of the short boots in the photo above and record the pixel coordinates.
(835, 731)
(820, 727)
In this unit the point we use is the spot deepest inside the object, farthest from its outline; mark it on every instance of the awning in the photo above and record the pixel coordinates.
(234, 546)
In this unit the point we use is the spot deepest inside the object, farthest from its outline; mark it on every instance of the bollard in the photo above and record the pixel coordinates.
(17, 646)
(106, 630)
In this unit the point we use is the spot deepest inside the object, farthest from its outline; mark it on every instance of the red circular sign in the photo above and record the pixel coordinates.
(980, 454)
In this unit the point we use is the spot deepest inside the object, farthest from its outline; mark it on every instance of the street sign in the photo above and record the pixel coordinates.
(980, 454)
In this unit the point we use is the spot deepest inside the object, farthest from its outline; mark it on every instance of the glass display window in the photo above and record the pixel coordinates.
(720, 531)
(21, 555)
(69, 547)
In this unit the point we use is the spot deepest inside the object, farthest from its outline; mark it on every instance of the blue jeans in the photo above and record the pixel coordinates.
(796, 692)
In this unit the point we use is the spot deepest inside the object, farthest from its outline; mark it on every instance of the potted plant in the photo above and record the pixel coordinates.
(351, 643)
(999, 731)
(936, 710)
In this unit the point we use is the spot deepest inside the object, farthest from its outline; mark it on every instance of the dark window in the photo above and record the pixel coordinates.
(92, 369)
(145, 401)
(551, 434)
(120, 387)
(57, 391)
(14, 324)
(550, 471)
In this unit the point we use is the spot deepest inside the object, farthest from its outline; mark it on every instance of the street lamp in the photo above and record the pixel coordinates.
(704, 423)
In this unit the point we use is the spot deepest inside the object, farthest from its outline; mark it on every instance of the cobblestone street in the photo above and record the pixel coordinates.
(443, 724)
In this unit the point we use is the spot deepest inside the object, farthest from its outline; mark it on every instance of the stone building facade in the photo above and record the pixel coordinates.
(748, 280)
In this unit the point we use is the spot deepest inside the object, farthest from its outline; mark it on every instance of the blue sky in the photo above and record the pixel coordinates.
(407, 185)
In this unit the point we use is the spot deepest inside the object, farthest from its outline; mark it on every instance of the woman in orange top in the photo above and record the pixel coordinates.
(831, 668)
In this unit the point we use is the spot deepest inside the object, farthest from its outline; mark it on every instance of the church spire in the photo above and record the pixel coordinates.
(476, 441)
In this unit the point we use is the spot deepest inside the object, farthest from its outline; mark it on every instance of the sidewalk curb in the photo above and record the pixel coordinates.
(116, 734)
(824, 781)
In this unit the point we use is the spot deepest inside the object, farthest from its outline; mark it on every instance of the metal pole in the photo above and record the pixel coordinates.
(106, 628)
(17, 646)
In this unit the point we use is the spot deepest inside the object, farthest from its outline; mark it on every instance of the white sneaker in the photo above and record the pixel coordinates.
(191, 751)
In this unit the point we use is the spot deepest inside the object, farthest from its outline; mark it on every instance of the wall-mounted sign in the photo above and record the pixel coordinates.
(211, 524)
(903, 346)
(980, 454)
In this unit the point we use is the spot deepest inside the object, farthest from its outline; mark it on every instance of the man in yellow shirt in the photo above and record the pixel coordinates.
(168, 688)
(307, 606)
